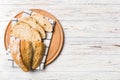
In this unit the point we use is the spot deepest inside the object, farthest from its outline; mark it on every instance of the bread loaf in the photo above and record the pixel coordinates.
(16, 55)
(43, 22)
(24, 32)
(27, 53)
(39, 50)
(28, 49)
(33, 24)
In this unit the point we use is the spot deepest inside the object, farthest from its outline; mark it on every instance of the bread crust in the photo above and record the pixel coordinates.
(15, 53)
(26, 53)
(39, 50)
(28, 49)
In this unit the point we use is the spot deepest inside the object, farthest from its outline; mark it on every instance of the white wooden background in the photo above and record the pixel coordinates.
(92, 39)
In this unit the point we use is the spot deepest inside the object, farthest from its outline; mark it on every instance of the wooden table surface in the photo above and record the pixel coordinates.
(92, 39)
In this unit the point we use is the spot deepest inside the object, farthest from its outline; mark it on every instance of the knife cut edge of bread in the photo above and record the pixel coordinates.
(33, 24)
(43, 22)
(25, 32)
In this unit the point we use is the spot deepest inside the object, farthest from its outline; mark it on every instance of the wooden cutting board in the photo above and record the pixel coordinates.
(56, 41)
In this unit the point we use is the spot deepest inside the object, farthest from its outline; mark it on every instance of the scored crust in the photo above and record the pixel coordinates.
(43, 22)
(39, 50)
(32, 22)
(24, 32)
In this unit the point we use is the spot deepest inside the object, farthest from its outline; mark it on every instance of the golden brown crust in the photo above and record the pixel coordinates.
(15, 52)
(19, 62)
(39, 49)
(26, 53)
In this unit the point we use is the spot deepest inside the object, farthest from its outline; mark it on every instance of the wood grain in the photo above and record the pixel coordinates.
(92, 40)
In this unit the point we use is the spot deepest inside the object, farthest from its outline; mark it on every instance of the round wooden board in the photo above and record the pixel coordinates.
(57, 38)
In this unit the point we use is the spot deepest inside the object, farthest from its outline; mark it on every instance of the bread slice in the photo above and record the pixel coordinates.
(26, 53)
(39, 50)
(24, 32)
(43, 22)
(32, 22)
(15, 53)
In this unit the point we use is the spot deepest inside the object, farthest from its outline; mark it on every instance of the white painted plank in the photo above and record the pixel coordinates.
(74, 63)
(67, 12)
(92, 40)
(61, 76)
(26, 2)
(85, 29)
